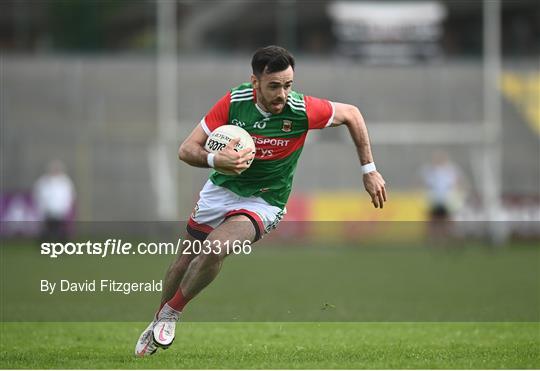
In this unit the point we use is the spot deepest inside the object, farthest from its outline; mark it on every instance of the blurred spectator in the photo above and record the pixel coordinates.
(444, 182)
(18, 216)
(54, 195)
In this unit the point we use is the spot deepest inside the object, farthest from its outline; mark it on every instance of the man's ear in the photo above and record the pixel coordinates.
(254, 81)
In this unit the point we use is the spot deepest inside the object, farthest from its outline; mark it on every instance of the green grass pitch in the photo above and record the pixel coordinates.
(297, 307)
(277, 345)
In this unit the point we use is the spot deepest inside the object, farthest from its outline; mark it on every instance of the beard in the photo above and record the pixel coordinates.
(273, 106)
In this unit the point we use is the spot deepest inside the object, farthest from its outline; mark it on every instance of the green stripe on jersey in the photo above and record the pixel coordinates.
(269, 179)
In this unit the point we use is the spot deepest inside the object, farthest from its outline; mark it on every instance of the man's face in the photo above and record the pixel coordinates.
(273, 89)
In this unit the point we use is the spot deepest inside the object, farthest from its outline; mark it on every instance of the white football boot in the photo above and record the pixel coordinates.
(145, 345)
(165, 326)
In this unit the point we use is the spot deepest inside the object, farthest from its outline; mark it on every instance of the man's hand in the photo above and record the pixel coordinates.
(374, 184)
(231, 160)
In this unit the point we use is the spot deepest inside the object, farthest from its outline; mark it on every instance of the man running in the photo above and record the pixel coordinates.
(244, 207)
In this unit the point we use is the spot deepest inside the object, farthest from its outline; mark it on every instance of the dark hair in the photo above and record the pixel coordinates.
(271, 59)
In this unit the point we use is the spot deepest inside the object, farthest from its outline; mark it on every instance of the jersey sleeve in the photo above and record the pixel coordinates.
(218, 115)
(320, 112)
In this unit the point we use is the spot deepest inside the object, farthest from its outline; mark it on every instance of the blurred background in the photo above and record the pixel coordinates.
(96, 97)
(103, 93)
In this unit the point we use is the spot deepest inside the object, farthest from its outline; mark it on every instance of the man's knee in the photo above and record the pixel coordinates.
(214, 254)
(211, 259)
(182, 262)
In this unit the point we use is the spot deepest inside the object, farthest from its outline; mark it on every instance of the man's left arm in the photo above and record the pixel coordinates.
(349, 115)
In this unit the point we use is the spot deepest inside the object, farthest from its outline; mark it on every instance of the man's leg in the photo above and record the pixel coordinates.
(194, 272)
(202, 270)
(176, 272)
(146, 344)
(205, 267)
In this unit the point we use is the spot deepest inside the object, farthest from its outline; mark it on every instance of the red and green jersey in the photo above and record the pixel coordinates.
(279, 139)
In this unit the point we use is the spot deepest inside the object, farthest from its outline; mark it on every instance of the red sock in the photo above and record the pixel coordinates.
(178, 301)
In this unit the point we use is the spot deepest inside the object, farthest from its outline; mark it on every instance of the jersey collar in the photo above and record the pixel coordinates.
(263, 112)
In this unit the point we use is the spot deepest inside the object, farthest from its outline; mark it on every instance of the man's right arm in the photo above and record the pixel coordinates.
(192, 152)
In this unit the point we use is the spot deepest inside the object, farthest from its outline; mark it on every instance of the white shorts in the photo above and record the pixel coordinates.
(218, 203)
